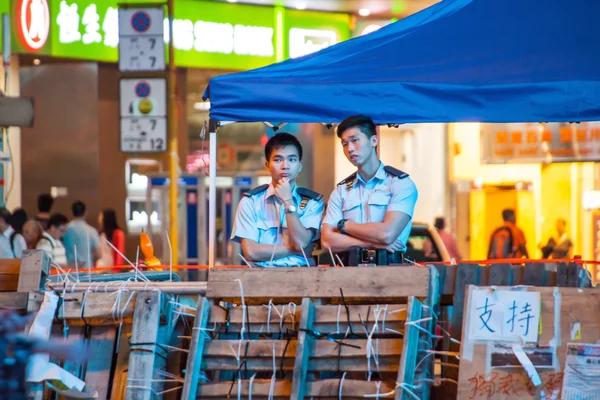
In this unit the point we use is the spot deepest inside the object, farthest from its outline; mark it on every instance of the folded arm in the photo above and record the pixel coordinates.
(254, 251)
(384, 233)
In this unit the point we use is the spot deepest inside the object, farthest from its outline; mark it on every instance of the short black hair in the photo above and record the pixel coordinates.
(440, 223)
(57, 220)
(364, 123)
(5, 215)
(45, 202)
(18, 218)
(508, 214)
(282, 139)
(78, 209)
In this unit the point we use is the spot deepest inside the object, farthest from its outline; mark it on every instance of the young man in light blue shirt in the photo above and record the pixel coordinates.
(12, 243)
(369, 214)
(276, 224)
(82, 236)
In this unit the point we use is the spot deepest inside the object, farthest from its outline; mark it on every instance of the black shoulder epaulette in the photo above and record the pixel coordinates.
(309, 193)
(348, 179)
(256, 190)
(395, 172)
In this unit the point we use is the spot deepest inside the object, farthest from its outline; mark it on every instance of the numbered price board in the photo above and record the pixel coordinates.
(141, 39)
(143, 111)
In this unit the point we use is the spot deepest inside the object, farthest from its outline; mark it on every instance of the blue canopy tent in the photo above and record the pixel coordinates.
(459, 60)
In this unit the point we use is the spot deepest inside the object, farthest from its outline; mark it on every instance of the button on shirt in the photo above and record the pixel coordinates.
(365, 202)
(261, 218)
(18, 243)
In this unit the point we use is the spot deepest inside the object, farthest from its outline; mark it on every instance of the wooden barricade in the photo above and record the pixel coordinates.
(567, 315)
(24, 274)
(296, 333)
(454, 280)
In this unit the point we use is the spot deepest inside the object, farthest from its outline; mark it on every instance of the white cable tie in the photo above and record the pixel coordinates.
(89, 254)
(76, 263)
(340, 261)
(340, 393)
(126, 259)
(408, 389)
(331, 255)
(385, 313)
(250, 386)
(246, 261)
(170, 256)
(274, 376)
(305, 258)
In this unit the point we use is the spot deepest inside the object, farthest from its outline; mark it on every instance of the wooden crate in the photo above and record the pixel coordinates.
(287, 336)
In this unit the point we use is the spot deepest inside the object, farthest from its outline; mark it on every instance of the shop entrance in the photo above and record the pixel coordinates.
(486, 205)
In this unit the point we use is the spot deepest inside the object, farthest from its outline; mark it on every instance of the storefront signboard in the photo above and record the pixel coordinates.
(206, 34)
(540, 143)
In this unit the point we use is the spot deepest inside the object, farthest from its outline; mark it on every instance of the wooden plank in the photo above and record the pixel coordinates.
(572, 275)
(326, 317)
(535, 274)
(9, 283)
(10, 266)
(143, 356)
(35, 265)
(14, 300)
(500, 275)
(197, 345)
(101, 346)
(327, 388)
(358, 284)
(561, 274)
(16, 111)
(119, 375)
(408, 361)
(98, 307)
(303, 351)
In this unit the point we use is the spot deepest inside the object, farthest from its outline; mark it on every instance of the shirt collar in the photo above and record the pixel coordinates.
(379, 175)
(8, 231)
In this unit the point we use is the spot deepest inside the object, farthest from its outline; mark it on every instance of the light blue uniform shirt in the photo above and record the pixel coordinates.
(261, 217)
(77, 234)
(363, 202)
(6, 249)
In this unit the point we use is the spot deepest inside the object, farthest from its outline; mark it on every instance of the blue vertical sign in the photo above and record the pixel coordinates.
(191, 197)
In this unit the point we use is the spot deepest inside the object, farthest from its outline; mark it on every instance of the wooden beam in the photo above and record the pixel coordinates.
(16, 111)
(302, 350)
(197, 345)
(408, 361)
(35, 265)
(98, 307)
(366, 284)
(144, 346)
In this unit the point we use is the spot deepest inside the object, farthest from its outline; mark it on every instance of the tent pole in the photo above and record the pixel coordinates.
(212, 194)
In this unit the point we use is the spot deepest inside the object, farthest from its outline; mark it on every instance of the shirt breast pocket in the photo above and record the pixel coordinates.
(267, 231)
(378, 204)
(351, 207)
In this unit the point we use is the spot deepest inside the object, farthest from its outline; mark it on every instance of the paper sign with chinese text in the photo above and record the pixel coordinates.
(503, 315)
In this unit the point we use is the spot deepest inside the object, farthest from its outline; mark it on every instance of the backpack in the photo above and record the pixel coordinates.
(12, 242)
(507, 249)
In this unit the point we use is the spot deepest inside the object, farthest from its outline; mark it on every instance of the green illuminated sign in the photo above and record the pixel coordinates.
(206, 34)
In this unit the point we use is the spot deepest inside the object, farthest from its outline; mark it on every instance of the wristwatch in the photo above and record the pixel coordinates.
(341, 225)
(291, 209)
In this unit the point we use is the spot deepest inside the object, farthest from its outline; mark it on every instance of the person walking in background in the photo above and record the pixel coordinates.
(81, 235)
(44, 205)
(447, 238)
(12, 243)
(507, 241)
(32, 232)
(559, 246)
(18, 219)
(51, 242)
(110, 231)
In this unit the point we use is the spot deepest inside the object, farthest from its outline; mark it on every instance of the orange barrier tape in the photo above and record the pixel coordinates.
(205, 267)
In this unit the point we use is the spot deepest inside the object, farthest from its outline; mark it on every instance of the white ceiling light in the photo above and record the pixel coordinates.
(301, 6)
(364, 12)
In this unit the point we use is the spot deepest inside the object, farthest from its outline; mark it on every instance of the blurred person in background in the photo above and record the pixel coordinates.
(44, 205)
(559, 246)
(447, 238)
(33, 233)
(508, 240)
(50, 240)
(12, 242)
(18, 219)
(81, 236)
(110, 231)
